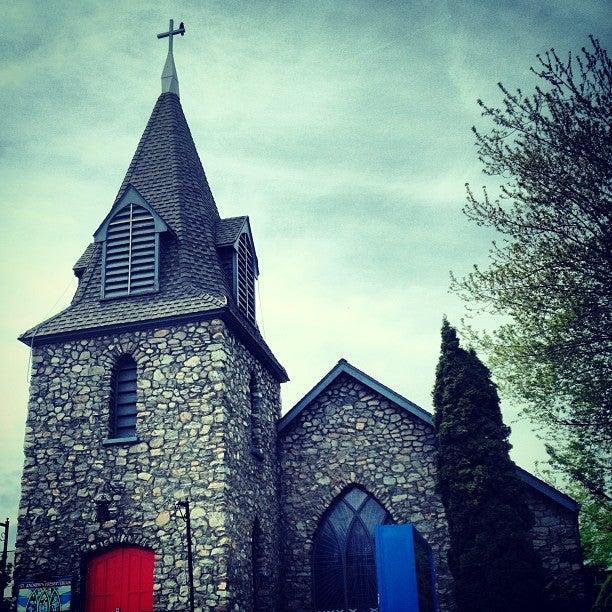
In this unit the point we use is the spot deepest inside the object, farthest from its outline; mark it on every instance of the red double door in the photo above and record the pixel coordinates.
(120, 580)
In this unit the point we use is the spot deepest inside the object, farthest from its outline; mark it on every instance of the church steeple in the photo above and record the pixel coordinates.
(163, 253)
(169, 78)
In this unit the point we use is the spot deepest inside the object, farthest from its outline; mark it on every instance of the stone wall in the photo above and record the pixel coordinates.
(191, 430)
(252, 479)
(351, 435)
(557, 541)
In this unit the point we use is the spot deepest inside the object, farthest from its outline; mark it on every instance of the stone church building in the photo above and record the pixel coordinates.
(156, 386)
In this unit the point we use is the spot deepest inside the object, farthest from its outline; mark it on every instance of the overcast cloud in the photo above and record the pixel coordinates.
(341, 128)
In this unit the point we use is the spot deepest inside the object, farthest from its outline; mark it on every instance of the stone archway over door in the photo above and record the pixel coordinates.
(120, 579)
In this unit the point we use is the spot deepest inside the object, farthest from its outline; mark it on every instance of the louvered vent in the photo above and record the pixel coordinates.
(245, 293)
(123, 422)
(131, 253)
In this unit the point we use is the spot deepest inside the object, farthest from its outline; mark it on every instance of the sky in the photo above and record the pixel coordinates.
(342, 128)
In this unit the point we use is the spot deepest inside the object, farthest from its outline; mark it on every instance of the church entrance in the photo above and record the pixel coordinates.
(344, 562)
(120, 580)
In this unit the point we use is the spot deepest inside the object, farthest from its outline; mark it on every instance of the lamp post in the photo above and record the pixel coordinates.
(184, 512)
(5, 525)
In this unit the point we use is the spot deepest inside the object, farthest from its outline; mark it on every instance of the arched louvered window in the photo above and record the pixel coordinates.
(123, 400)
(245, 277)
(130, 253)
(343, 561)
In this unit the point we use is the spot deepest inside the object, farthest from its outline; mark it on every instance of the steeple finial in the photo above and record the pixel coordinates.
(169, 77)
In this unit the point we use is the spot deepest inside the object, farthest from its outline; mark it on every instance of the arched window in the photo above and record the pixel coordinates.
(123, 399)
(245, 277)
(344, 568)
(130, 253)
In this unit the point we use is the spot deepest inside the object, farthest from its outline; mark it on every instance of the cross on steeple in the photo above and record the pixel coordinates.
(169, 77)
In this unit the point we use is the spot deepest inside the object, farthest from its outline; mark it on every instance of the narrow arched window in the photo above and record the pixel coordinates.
(123, 400)
(130, 253)
(254, 417)
(344, 569)
(245, 277)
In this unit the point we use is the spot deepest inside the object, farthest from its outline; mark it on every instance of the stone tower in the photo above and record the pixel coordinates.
(152, 387)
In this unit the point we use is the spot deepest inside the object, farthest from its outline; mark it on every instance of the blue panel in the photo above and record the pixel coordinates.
(395, 569)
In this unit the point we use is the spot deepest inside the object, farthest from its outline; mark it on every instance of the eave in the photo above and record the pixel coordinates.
(225, 314)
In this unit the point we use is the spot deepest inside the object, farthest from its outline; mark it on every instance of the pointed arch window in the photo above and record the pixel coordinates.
(343, 561)
(123, 399)
(245, 277)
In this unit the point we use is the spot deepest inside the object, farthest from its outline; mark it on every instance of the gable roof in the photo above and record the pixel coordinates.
(83, 261)
(344, 367)
(228, 232)
(167, 174)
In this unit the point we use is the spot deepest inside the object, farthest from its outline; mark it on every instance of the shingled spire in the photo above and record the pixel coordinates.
(167, 173)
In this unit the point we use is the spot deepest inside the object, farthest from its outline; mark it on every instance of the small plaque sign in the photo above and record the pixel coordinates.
(45, 596)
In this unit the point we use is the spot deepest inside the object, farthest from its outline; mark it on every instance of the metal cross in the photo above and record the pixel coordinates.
(169, 77)
(172, 32)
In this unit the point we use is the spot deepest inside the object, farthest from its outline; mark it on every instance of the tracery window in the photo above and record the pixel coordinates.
(123, 399)
(130, 253)
(344, 568)
(245, 277)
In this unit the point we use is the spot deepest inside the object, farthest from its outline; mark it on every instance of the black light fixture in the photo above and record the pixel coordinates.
(184, 512)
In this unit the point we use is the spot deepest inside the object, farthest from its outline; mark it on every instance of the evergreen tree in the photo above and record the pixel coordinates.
(491, 556)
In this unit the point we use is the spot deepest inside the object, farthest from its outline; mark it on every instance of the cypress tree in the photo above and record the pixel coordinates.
(491, 555)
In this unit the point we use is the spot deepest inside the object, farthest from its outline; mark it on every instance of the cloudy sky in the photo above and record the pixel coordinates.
(341, 127)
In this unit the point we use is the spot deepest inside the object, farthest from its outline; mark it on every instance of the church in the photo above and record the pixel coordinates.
(154, 394)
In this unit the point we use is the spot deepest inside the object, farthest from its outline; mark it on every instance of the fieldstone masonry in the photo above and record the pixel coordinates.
(352, 435)
(192, 425)
(195, 401)
(208, 418)
(557, 540)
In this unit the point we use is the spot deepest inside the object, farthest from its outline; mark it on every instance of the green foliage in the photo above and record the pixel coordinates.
(491, 556)
(603, 602)
(595, 518)
(550, 277)
(595, 528)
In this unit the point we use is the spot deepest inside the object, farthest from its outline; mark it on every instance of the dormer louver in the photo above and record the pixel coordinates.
(130, 256)
(130, 253)
(245, 277)
(236, 248)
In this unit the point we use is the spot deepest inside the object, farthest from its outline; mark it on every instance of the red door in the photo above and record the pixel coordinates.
(121, 580)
